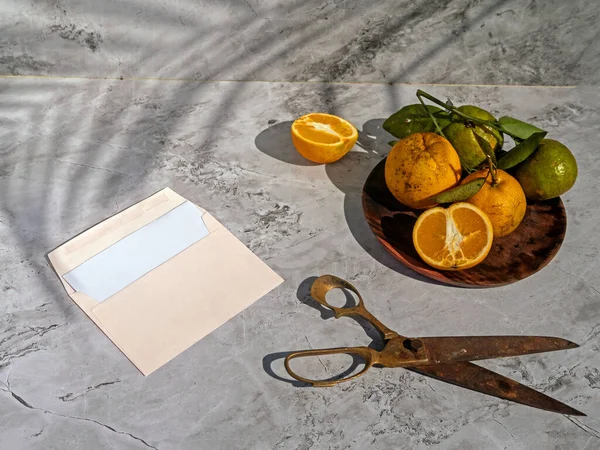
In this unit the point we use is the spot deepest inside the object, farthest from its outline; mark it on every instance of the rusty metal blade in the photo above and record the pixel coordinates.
(480, 379)
(472, 348)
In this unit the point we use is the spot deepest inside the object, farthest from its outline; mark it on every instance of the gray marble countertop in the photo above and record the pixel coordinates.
(104, 103)
(75, 151)
(549, 42)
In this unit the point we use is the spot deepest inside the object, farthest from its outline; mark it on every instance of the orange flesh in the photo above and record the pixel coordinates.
(432, 235)
(333, 122)
(313, 133)
(455, 238)
(472, 228)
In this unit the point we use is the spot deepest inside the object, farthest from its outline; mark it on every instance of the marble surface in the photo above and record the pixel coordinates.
(550, 42)
(73, 152)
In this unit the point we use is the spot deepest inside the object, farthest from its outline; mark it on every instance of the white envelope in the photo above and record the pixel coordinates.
(158, 277)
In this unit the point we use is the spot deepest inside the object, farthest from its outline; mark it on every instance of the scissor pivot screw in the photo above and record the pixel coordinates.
(414, 345)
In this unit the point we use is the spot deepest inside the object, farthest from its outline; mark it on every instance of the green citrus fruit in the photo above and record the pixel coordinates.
(462, 136)
(549, 172)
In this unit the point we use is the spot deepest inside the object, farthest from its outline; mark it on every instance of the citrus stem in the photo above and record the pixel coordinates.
(492, 169)
(437, 126)
(452, 109)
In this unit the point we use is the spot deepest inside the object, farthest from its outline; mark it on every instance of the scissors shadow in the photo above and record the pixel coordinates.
(268, 361)
(303, 294)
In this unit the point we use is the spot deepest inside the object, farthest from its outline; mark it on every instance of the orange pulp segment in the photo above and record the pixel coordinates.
(454, 238)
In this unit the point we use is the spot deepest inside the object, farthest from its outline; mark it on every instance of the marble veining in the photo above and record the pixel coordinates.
(73, 152)
(437, 41)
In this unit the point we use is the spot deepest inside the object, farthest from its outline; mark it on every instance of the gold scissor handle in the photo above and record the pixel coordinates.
(368, 355)
(325, 283)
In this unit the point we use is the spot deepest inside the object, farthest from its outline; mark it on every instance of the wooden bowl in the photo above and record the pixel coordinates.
(514, 257)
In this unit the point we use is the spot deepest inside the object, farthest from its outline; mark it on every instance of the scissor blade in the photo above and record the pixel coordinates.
(472, 348)
(480, 379)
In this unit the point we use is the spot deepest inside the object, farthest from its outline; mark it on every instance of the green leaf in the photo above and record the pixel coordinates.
(484, 144)
(415, 119)
(460, 193)
(521, 152)
(392, 143)
(517, 128)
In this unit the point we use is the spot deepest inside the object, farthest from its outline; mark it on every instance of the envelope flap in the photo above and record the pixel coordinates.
(96, 239)
(138, 253)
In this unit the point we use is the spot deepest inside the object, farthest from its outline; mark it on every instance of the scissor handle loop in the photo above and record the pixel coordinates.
(326, 283)
(368, 355)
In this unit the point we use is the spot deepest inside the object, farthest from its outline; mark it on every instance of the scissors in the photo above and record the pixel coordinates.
(444, 358)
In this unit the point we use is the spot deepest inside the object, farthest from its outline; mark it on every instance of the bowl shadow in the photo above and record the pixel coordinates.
(348, 175)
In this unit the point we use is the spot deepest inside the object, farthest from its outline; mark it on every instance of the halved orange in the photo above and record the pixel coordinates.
(454, 238)
(323, 138)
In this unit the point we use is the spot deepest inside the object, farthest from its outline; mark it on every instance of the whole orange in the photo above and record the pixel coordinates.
(419, 167)
(504, 202)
